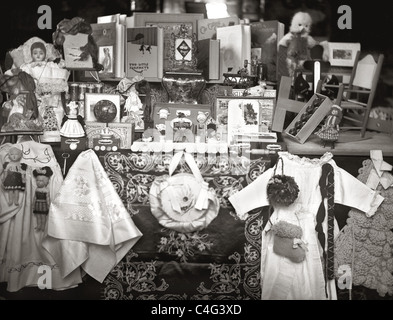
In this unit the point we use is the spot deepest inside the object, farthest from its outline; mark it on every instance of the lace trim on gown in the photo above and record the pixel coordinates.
(326, 157)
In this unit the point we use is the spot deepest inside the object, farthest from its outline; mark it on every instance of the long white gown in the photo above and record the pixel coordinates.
(21, 251)
(282, 279)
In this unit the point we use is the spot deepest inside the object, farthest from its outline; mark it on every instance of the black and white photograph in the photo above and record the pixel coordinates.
(273, 181)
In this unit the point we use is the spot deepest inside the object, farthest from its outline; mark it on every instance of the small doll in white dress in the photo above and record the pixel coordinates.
(72, 126)
(50, 76)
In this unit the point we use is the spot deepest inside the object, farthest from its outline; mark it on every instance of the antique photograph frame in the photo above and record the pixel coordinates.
(92, 98)
(74, 56)
(247, 114)
(343, 54)
(106, 57)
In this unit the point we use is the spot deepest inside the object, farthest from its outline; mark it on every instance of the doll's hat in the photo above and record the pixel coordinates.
(316, 53)
(44, 171)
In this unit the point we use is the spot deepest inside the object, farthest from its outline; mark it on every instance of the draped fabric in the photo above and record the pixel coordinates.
(326, 185)
(89, 228)
(280, 277)
(21, 251)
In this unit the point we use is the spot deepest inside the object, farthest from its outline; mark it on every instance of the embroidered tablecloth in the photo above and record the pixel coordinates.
(221, 261)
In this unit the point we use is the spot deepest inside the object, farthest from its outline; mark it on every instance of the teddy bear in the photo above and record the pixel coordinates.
(298, 41)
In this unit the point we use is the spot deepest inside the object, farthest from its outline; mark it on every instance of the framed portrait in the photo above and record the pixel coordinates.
(244, 115)
(102, 107)
(76, 55)
(106, 58)
(171, 23)
(343, 54)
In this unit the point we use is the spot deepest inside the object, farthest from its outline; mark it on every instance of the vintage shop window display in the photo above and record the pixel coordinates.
(294, 221)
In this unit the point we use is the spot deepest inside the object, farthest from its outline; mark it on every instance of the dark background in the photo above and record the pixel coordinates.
(372, 20)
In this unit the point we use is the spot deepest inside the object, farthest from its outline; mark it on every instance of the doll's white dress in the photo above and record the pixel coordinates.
(48, 75)
(21, 251)
(282, 279)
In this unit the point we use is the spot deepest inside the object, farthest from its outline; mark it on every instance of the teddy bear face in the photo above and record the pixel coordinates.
(301, 23)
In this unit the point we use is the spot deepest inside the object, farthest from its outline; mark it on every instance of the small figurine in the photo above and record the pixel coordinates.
(201, 118)
(330, 129)
(14, 172)
(73, 123)
(42, 196)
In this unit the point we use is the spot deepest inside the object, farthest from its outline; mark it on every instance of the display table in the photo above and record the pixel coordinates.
(349, 144)
(221, 261)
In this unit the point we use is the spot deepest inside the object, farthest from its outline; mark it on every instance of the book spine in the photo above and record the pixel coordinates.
(121, 51)
(160, 54)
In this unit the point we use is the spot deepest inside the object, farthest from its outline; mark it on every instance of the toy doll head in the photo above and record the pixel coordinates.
(15, 153)
(336, 110)
(38, 51)
(42, 176)
(301, 23)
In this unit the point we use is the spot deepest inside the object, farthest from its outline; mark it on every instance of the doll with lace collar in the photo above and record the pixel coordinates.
(14, 175)
(50, 77)
(41, 199)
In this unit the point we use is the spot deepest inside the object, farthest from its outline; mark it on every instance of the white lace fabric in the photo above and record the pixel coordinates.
(88, 221)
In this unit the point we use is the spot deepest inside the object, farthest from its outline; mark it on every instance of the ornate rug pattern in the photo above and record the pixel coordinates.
(219, 262)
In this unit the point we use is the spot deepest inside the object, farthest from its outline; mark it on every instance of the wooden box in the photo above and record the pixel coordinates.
(309, 117)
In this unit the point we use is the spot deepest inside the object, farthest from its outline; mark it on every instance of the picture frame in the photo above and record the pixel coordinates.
(343, 54)
(122, 131)
(171, 23)
(106, 57)
(243, 115)
(75, 57)
(106, 99)
(183, 51)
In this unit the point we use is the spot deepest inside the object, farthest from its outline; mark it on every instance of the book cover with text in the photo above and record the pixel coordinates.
(145, 52)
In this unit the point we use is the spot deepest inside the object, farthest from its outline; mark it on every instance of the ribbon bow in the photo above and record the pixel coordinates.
(299, 243)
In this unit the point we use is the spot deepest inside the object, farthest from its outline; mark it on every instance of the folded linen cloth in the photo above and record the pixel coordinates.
(88, 225)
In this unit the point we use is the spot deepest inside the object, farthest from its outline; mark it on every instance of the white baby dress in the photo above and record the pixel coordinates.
(21, 251)
(282, 279)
